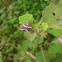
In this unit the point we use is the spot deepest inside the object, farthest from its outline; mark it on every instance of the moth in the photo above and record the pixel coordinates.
(27, 26)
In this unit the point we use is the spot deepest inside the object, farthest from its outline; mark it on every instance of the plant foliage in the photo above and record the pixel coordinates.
(44, 45)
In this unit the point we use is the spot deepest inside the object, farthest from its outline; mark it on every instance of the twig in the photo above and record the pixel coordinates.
(36, 33)
(31, 55)
(1, 36)
(4, 3)
(1, 47)
(8, 2)
(28, 53)
(48, 40)
(15, 47)
(43, 53)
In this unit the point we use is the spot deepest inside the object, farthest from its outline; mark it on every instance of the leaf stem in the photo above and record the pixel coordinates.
(43, 53)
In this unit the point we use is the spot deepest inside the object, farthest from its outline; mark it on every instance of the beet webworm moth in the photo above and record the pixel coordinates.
(27, 26)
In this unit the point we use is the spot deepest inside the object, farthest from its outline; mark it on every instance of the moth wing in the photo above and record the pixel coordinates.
(21, 27)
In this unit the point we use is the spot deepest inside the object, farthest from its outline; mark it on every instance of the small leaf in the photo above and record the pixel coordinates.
(37, 41)
(46, 0)
(3, 42)
(25, 44)
(19, 46)
(9, 50)
(28, 61)
(44, 26)
(17, 56)
(27, 17)
(22, 53)
(12, 20)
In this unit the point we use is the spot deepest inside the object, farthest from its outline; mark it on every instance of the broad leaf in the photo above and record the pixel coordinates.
(40, 58)
(55, 32)
(53, 16)
(55, 48)
(58, 58)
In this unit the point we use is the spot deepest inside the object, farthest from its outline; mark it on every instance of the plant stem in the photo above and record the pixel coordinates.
(48, 40)
(28, 53)
(4, 3)
(43, 52)
(8, 2)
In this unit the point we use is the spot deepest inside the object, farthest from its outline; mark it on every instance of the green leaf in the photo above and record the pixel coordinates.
(22, 53)
(12, 20)
(28, 61)
(30, 36)
(7, 44)
(55, 48)
(9, 50)
(3, 42)
(58, 58)
(40, 58)
(52, 16)
(30, 44)
(37, 41)
(17, 56)
(55, 32)
(19, 46)
(0, 53)
(44, 26)
(1, 60)
(27, 17)
(46, 0)
(25, 44)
